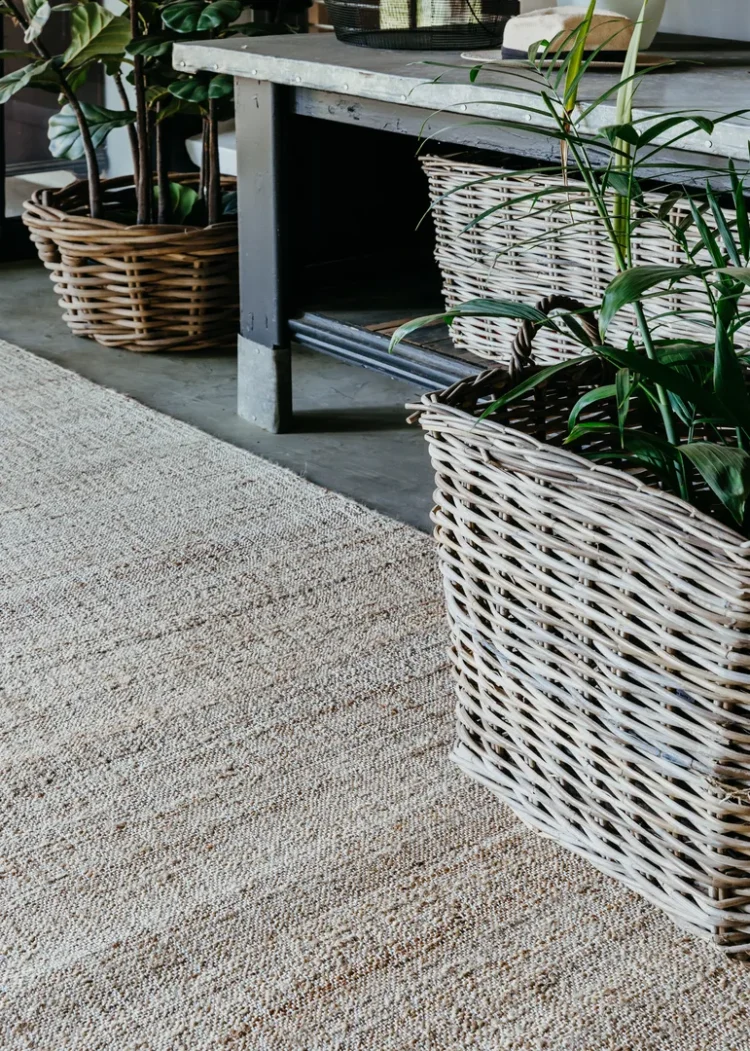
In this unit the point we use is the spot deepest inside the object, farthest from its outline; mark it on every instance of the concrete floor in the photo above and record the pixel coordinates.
(350, 436)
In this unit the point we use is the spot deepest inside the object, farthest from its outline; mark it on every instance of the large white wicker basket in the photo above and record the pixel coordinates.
(601, 652)
(486, 260)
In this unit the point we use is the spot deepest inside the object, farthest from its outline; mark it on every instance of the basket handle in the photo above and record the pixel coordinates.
(466, 393)
(522, 353)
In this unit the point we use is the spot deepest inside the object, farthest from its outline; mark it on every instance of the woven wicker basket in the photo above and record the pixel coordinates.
(485, 260)
(601, 651)
(140, 288)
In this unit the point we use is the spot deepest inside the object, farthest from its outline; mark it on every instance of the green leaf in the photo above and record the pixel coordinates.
(589, 398)
(663, 126)
(730, 376)
(672, 379)
(624, 132)
(625, 384)
(572, 77)
(9, 53)
(740, 207)
(94, 33)
(473, 308)
(219, 14)
(19, 78)
(183, 16)
(155, 92)
(64, 133)
(534, 380)
(631, 285)
(221, 86)
(726, 471)
(150, 46)
(37, 12)
(723, 227)
(192, 90)
(182, 200)
(652, 451)
(707, 236)
(583, 430)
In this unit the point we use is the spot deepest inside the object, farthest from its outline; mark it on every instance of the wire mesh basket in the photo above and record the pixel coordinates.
(421, 25)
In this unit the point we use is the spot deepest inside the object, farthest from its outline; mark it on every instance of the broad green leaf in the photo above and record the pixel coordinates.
(183, 16)
(672, 379)
(37, 12)
(95, 33)
(154, 93)
(221, 86)
(65, 135)
(219, 14)
(533, 380)
(192, 90)
(631, 285)
(589, 398)
(729, 375)
(19, 78)
(182, 200)
(150, 46)
(726, 471)
(652, 451)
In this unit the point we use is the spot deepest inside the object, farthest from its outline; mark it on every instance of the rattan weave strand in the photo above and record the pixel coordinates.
(601, 651)
(141, 288)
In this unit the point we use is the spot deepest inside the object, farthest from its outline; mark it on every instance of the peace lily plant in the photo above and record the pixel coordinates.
(134, 47)
(691, 393)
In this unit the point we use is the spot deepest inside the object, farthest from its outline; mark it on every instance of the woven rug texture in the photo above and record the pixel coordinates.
(227, 816)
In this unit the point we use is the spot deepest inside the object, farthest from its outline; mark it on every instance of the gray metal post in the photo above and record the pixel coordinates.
(264, 367)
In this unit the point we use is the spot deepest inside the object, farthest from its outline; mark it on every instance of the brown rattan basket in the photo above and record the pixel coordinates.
(521, 247)
(601, 651)
(141, 288)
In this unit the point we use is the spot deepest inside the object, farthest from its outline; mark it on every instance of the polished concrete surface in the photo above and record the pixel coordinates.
(351, 435)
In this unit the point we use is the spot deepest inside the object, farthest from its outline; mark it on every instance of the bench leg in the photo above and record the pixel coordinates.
(264, 383)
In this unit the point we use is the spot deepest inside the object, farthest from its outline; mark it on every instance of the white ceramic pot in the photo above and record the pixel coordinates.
(631, 9)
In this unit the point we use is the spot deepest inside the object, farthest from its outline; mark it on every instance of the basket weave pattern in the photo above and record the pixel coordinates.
(141, 288)
(601, 651)
(486, 262)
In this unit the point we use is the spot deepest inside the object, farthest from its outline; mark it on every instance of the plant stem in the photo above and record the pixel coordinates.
(144, 180)
(89, 150)
(162, 176)
(214, 174)
(203, 181)
(132, 136)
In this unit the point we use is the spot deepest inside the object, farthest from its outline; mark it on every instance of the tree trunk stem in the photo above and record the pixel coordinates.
(214, 174)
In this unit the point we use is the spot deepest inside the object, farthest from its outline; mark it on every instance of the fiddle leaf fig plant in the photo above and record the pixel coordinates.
(134, 47)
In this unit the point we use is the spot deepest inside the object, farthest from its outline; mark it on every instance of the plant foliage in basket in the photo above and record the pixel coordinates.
(679, 410)
(135, 47)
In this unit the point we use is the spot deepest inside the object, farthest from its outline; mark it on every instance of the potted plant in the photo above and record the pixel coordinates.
(147, 262)
(593, 529)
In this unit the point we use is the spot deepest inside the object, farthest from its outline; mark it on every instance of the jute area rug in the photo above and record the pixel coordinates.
(228, 819)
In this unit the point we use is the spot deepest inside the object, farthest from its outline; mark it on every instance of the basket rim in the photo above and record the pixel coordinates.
(430, 403)
(34, 208)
